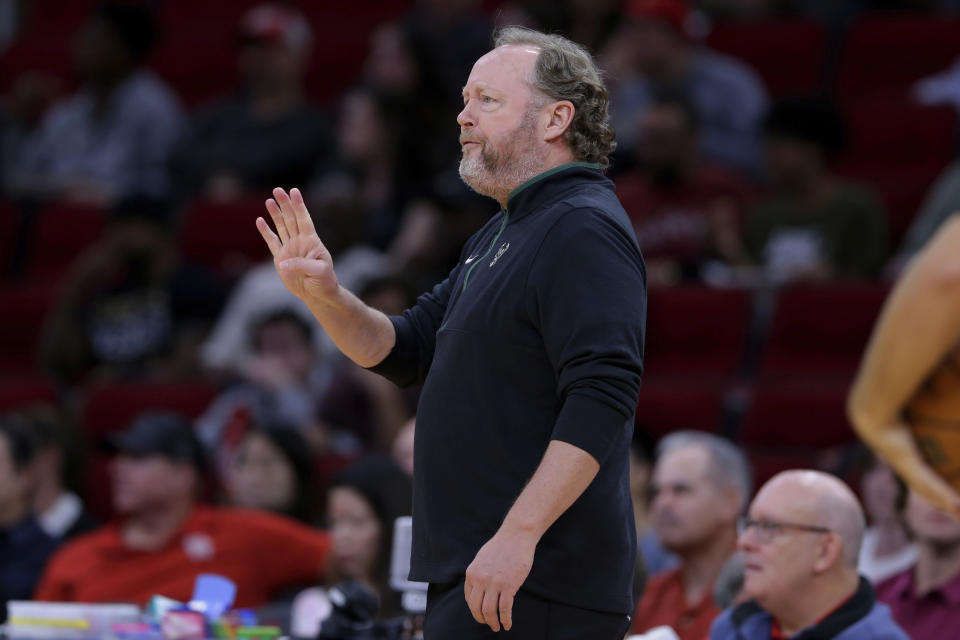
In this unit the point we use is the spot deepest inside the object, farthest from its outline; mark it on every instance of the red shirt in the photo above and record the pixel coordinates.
(664, 603)
(933, 615)
(261, 552)
(674, 223)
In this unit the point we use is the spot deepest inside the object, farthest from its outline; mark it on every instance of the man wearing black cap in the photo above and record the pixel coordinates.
(164, 538)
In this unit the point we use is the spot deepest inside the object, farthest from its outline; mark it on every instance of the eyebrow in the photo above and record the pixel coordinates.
(481, 86)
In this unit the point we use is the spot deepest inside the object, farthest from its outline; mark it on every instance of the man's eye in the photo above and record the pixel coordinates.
(486, 99)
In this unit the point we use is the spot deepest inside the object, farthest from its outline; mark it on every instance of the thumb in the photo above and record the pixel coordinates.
(307, 266)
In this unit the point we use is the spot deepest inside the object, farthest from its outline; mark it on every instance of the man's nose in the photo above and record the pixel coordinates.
(465, 117)
(747, 539)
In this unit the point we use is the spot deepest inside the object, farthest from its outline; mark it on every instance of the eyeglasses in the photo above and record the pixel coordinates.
(767, 530)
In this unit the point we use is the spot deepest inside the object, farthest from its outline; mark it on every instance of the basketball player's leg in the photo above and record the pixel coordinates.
(534, 618)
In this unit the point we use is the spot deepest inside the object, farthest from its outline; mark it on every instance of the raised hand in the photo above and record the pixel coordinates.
(303, 263)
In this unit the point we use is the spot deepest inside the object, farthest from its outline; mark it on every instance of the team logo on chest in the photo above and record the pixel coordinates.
(198, 546)
(502, 250)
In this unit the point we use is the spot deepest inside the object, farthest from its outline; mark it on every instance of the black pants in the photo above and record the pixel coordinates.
(534, 618)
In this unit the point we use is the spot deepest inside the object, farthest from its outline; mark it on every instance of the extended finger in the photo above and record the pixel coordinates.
(273, 242)
(273, 208)
(506, 609)
(491, 600)
(475, 603)
(304, 221)
(286, 208)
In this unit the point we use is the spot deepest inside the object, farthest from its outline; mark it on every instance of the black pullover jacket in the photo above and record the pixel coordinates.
(536, 335)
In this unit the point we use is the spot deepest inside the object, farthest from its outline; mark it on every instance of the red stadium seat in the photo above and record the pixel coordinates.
(9, 229)
(26, 389)
(343, 32)
(767, 462)
(45, 39)
(675, 406)
(788, 54)
(25, 307)
(198, 56)
(695, 331)
(199, 68)
(797, 426)
(223, 236)
(900, 132)
(886, 54)
(111, 407)
(821, 331)
(62, 233)
(810, 414)
(898, 148)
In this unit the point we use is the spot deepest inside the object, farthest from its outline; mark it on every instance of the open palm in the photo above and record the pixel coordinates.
(303, 263)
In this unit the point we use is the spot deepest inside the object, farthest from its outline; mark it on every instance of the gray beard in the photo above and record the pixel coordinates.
(496, 173)
(495, 176)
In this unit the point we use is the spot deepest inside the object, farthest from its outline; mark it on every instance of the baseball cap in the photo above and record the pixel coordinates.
(275, 23)
(672, 12)
(162, 433)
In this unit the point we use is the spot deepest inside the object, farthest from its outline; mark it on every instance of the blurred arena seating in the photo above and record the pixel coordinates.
(770, 372)
(789, 55)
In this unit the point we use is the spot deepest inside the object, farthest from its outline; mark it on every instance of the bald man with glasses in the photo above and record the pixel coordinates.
(800, 541)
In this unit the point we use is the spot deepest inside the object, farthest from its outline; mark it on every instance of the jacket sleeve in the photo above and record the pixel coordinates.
(589, 292)
(409, 361)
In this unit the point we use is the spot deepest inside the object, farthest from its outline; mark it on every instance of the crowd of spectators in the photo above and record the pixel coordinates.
(310, 457)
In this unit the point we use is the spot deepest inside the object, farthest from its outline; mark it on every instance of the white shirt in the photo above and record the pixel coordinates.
(61, 515)
(877, 569)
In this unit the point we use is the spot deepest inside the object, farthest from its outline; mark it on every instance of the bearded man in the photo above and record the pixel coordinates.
(530, 356)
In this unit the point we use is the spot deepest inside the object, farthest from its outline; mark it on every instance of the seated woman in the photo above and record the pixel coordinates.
(363, 502)
(272, 470)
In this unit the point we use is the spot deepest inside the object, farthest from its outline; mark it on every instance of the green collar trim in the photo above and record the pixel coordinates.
(550, 172)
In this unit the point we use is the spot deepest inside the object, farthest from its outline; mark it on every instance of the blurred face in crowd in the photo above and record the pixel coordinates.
(142, 483)
(499, 122)
(779, 564)
(356, 533)
(879, 490)
(668, 142)
(792, 163)
(271, 64)
(931, 526)
(362, 132)
(13, 482)
(98, 52)
(639, 476)
(688, 507)
(390, 64)
(286, 342)
(261, 476)
(656, 46)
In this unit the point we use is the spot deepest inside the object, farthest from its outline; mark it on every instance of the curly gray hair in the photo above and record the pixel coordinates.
(565, 71)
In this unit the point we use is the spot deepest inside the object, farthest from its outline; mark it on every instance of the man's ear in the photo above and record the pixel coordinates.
(560, 118)
(829, 554)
